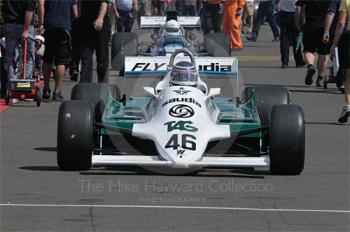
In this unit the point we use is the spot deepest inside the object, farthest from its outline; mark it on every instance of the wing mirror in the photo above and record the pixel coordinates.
(214, 92)
(150, 90)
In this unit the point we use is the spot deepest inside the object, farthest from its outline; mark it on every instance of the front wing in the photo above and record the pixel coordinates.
(128, 160)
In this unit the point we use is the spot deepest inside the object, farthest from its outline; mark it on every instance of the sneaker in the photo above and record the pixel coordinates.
(276, 39)
(46, 94)
(319, 81)
(57, 96)
(345, 113)
(310, 72)
(284, 65)
(73, 75)
(251, 38)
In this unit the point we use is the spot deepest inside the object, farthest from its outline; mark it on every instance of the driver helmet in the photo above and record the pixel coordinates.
(172, 27)
(184, 73)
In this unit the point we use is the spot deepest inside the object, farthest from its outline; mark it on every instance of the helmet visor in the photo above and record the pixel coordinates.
(185, 78)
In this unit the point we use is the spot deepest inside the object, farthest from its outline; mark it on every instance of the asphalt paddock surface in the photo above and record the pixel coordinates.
(36, 196)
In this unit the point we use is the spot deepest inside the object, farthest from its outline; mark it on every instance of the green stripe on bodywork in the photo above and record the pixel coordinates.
(244, 126)
(120, 125)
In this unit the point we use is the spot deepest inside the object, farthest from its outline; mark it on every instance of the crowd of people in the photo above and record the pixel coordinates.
(75, 29)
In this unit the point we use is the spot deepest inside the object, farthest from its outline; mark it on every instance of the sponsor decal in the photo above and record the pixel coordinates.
(214, 67)
(147, 67)
(180, 125)
(186, 100)
(151, 67)
(182, 91)
(188, 142)
(181, 111)
(180, 152)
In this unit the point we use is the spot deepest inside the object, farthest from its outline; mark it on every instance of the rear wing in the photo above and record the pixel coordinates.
(158, 66)
(155, 22)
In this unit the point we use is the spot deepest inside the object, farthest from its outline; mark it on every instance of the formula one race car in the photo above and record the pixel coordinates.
(176, 125)
(170, 33)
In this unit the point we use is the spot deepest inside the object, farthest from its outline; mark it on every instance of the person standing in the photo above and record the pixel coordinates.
(289, 33)
(344, 15)
(188, 8)
(19, 26)
(232, 21)
(74, 64)
(315, 14)
(265, 11)
(248, 15)
(96, 31)
(125, 12)
(55, 17)
(211, 15)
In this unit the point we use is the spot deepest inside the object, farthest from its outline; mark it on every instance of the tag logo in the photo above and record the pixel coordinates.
(181, 126)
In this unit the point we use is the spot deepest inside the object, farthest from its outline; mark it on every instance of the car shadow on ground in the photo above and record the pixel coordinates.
(137, 171)
(50, 149)
(327, 123)
(41, 168)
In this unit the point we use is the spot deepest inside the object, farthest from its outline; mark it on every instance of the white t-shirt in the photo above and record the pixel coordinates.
(125, 5)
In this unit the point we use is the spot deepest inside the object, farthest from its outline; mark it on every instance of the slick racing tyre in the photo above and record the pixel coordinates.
(217, 44)
(287, 140)
(123, 44)
(97, 94)
(266, 97)
(75, 135)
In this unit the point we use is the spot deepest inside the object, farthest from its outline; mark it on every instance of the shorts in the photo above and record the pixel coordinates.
(57, 46)
(249, 9)
(344, 50)
(312, 41)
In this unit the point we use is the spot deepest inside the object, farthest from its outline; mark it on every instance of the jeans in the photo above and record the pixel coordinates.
(265, 10)
(13, 36)
(125, 21)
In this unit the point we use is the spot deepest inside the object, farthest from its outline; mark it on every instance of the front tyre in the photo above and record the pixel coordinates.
(75, 135)
(287, 140)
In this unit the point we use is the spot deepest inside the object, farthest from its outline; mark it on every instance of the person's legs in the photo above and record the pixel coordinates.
(285, 42)
(322, 65)
(74, 64)
(250, 16)
(233, 25)
(345, 113)
(120, 23)
(50, 43)
(129, 22)
(259, 20)
(86, 63)
(102, 54)
(214, 19)
(30, 53)
(347, 87)
(12, 37)
(272, 21)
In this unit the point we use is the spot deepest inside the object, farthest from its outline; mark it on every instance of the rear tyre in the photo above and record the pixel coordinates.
(75, 135)
(123, 44)
(217, 44)
(97, 94)
(287, 140)
(266, 97)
